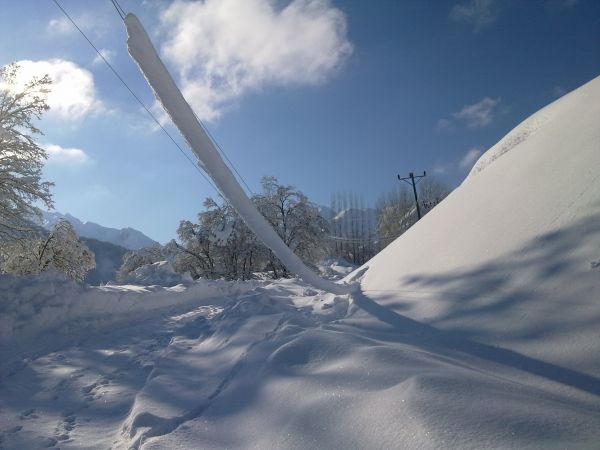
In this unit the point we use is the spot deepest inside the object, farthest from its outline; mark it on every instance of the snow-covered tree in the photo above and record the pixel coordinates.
(138, 258)
(22, 189)
(60, 249)
(396, 210)
(297, 221)
(353, 234)
(219, 245)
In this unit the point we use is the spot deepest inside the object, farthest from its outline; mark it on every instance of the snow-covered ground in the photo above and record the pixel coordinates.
(478, 328)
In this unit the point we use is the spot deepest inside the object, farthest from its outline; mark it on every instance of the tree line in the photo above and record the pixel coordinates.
(220, 245)
(217, 245)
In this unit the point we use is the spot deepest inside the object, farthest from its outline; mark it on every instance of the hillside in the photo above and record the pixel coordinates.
(508, 258)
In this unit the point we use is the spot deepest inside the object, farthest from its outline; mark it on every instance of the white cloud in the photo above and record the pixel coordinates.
(469, 158)
(71, 157)
(72, 92)
(480, 114)
(62, 25)
(477, 13)
(223, 49)
(440, 169)
(106, 53)
(95, 24)
(444, 124)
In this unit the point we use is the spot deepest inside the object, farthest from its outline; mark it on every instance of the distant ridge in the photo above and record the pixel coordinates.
(128, 238)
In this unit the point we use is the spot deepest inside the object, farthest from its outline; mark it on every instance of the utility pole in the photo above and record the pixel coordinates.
(411, 176)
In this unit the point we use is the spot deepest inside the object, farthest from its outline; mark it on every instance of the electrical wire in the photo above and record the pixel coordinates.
(114, 71)
(122, 14)
(120, 10)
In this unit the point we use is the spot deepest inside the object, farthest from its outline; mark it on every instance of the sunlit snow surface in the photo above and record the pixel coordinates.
(478, 328)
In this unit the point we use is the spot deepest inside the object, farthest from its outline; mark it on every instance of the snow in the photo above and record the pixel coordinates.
(506, 258)
(159, 273)
(477, 328)
(32, 306)
(335, 268)
(141, 50)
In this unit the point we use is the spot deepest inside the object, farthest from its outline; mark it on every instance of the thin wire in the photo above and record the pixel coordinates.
(137, 98)
(122, 14)
(223, 153)
(120, 10)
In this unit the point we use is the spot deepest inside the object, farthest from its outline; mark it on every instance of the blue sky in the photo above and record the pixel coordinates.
(326, 95)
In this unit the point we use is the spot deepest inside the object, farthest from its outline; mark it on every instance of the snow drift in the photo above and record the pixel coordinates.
(508, 257)
(32, 306)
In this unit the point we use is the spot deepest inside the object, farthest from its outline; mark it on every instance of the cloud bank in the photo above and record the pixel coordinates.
(62, 156)
(469, 158)
(480, 114)
(477, 13)
(223, 49)
(72, 93)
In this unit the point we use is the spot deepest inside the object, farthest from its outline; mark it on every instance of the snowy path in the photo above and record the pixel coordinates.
(76, 393)
(121, 384)
(283, 366)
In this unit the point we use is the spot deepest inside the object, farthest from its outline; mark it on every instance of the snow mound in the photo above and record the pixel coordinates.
(335, 268)
(160, 273)
(30, 306)
(507, 258)
(477, 328)
(526, 129)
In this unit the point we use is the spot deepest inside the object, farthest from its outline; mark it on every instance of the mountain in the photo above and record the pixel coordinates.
(128, 238)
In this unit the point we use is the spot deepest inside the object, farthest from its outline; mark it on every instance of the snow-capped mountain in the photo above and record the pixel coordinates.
(128, 238)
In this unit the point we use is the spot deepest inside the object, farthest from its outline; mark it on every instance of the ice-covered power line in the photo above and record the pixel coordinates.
(120, 78)
(143, 52)
(122, 14)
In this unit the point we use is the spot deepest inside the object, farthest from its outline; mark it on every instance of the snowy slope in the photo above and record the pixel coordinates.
(508, 258)
(128, 238)
(478, 328)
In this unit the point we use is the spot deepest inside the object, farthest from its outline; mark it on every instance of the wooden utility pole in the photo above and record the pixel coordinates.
(413, 181)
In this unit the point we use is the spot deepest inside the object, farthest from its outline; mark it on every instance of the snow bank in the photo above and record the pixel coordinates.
(30, 306)
(160, 273)
(507, 258)
(335, 268)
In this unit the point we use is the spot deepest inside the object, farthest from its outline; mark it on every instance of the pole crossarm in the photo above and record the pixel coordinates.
(414, 179)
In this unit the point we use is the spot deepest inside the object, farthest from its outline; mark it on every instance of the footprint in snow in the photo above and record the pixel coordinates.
(91, 390)
(62, 432)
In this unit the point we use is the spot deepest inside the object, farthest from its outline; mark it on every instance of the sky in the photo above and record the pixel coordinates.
(326, 95)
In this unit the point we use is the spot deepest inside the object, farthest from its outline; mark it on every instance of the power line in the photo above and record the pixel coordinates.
(122, 14)
(115, 4)
(411, 176)
(214, 141)
(120, 10)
